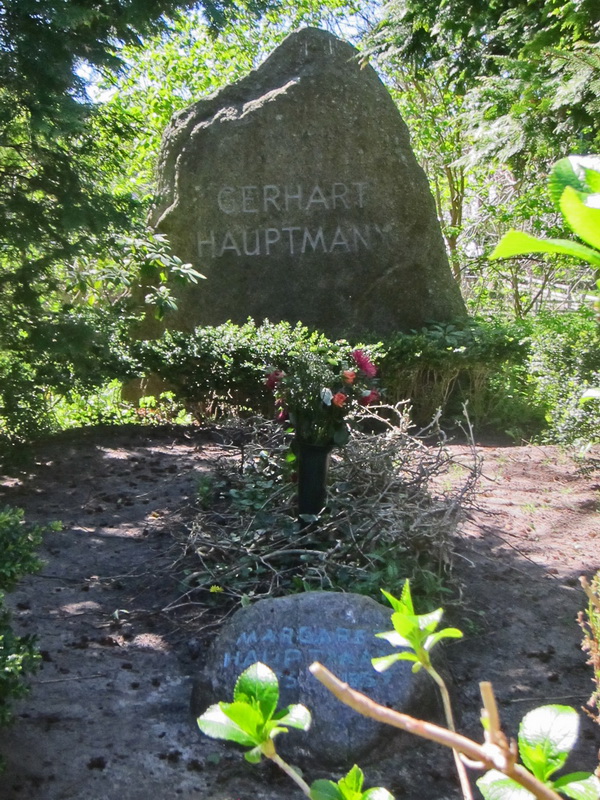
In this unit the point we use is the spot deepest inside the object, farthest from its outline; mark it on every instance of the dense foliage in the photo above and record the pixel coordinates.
(60, 156)
(494, 94)
(522, 378)
(503, 49)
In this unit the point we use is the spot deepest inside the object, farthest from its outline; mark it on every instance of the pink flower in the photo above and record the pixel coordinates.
(273, 379)
(349, 376)
(364, 363)
(369, 399)
(339, 399)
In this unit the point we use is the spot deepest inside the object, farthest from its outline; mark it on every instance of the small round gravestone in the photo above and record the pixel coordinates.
(290, 633)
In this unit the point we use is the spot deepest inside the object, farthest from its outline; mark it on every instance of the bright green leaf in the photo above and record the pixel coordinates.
(592, 175)
(377, 793)
(579, 786)
(296, 716)
(394, 638)
(407, 626)
(352, 782)
(273, 729)
(590, 394)
(517, 243)
(406, 598)
(445, 633)
(396, 604)
(246, 717)
(546, 737)
(325, 790)
(216, 724)
(253, 756)
(571, 172)
(582, 215)
(496, 786)
(429, 622)
(258, 683)
(404, 604)
(535, 758)
(385, 662)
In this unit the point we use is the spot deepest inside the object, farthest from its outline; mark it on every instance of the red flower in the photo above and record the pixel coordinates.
(273, 379)
(339, 399)
(364, 363)
(370, 398)
(349, 376)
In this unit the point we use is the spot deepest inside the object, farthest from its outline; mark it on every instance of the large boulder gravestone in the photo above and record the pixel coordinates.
(296, 193)
(288, 634)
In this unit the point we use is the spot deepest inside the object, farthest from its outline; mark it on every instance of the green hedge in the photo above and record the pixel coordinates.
(447, 365)
(439, 366)
(226, 366)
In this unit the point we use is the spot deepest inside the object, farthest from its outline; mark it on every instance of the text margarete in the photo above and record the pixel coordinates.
(289, 650)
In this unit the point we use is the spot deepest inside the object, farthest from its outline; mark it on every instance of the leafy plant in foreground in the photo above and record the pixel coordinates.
(574, 186)
(546, 737)
(348, 788)
(18, 545)
(253, 721)
(417, 634)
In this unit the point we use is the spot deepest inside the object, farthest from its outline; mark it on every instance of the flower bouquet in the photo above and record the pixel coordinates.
(318, 396)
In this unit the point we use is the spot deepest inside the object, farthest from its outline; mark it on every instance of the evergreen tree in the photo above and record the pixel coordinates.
(56, 197)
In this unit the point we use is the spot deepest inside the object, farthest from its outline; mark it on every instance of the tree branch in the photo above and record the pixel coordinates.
(491, 756)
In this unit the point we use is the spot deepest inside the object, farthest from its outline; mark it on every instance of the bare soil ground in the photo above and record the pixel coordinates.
(107, 717)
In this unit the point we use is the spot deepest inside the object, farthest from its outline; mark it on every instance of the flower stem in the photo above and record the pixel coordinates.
(490, 756)
(465, 784)
(291, 772)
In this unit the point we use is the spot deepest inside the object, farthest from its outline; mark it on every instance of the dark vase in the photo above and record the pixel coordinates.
(313, 465)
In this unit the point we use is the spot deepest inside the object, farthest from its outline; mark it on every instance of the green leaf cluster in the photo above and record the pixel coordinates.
(493, 94)
(350, 787)
(511, 63)
(18, 658)
(252, 719)
(546, 737)
(440, 366)
(18, 546)
(574, 186)
(417, 633)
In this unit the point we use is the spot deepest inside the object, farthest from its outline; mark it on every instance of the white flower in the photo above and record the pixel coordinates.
(326, 395)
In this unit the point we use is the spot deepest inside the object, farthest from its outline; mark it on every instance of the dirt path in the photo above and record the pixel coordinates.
(107, 718)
